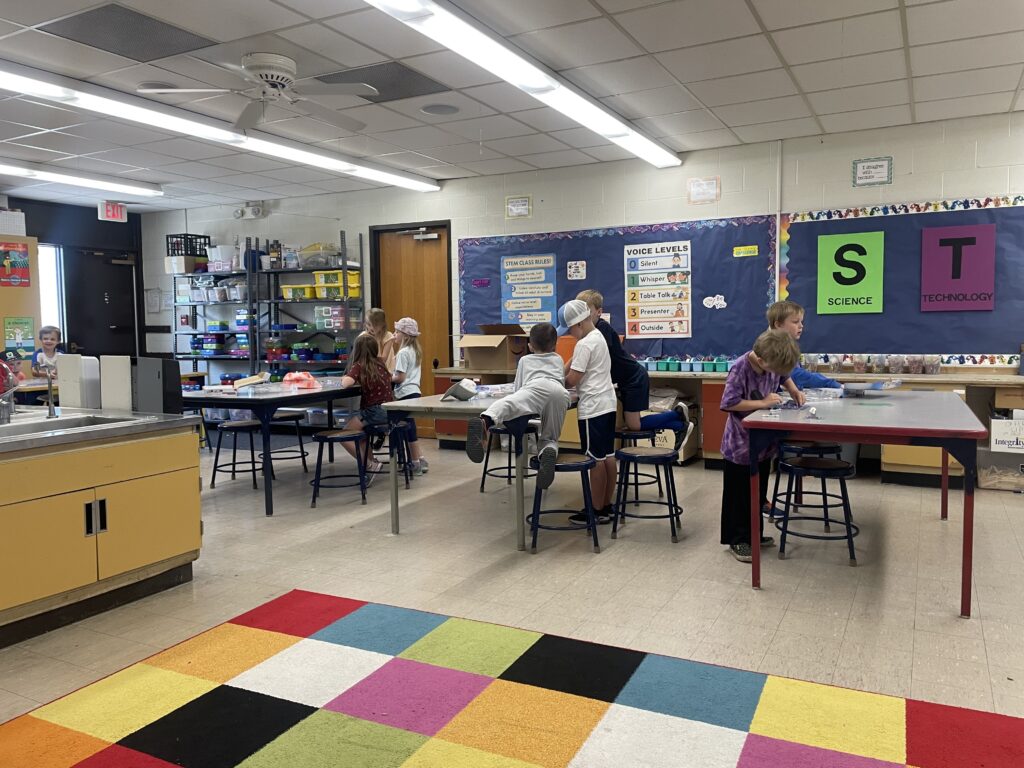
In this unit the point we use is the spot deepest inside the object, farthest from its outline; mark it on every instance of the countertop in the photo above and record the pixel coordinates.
(54, 434)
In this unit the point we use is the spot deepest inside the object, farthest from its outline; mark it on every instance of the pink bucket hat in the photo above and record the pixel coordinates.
(408, 326)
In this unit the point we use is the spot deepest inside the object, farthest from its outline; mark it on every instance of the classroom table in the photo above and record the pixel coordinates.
(264, 400)
(890, 417)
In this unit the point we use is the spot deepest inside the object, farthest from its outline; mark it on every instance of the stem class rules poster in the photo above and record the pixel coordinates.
(528, 290)
(658, 290)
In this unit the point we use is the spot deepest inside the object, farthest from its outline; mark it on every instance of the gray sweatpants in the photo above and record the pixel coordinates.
(545, 397)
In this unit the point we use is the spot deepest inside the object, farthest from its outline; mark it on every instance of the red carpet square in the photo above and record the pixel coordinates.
(298, 613)
(939, 736)
(116, 756)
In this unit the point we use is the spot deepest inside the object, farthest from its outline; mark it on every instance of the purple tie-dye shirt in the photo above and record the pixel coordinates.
(743, 383)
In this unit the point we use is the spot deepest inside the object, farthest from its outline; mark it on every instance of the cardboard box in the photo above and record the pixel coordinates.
(1007, 397)
(181, 265)
(1000, 471)
(496, 347)
(1006, 436)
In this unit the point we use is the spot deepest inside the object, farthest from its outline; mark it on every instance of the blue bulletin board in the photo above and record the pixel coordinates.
(907, 322)
(732, 280)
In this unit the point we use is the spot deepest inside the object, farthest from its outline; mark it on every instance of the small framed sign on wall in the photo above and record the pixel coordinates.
(519, 207)
(872, 171)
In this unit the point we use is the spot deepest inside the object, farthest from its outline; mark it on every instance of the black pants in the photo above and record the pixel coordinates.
(407, 417)
(736, 500)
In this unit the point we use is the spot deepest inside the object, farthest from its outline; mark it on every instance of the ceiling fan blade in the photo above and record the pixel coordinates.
(250, 116)
(242, 72)
(316, 88)
(183, 90)
(328, 115)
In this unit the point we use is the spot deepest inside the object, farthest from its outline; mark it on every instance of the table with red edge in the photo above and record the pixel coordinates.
(889, 417)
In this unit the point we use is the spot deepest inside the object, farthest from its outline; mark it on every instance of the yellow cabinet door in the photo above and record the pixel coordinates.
(48, 546)
(147, 520)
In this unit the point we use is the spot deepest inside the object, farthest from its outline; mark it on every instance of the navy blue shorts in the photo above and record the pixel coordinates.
(597, 436)
(635, 391)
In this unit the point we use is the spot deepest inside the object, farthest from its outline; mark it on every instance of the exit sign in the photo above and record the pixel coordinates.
(112, 211)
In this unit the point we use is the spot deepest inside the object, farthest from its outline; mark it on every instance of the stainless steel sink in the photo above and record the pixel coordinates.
(60, 424)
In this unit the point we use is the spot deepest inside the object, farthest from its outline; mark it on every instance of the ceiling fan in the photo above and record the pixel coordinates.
(273, 79)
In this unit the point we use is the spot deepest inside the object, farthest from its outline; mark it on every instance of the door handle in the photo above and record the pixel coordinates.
(89, 528)
(103, 516)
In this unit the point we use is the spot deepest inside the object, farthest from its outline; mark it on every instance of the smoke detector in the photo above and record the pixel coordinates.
(250, 211)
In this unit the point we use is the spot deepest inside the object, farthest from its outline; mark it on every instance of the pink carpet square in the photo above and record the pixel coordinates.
(412, 696)
(763, 752)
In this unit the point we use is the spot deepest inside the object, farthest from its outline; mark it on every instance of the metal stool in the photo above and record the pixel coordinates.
(789, 448)
(657, 458)
(398, 445)
(249, 426)
(628, 438)
(337, 436)
(824, 469)
(508, 472)
(565, 463)
(284, 454)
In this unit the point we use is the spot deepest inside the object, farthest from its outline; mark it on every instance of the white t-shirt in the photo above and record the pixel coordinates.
(405, 362)
(595, 390)
(544, 365)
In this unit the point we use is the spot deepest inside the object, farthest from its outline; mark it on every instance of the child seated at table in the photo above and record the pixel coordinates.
(44, 361)
(539, 390)
(371, 375)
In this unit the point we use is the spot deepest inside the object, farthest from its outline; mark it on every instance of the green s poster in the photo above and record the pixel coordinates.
(850, 271)
(19, 336)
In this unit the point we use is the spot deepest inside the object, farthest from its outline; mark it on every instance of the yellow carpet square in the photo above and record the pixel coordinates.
(867, 724)
(28, 742)
(531, 724)
(124, 702)
(223, 652)
(442, 754)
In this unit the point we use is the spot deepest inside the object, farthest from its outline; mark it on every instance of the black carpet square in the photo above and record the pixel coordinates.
(220, 728)
(576, 667)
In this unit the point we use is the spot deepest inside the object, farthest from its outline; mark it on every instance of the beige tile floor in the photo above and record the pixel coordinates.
(889, 625)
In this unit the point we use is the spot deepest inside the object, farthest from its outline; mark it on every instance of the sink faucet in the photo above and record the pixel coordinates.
(50, 371)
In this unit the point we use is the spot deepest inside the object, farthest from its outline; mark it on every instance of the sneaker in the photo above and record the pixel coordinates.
(475, 440)
(372, 471)
(603, 516)
(422, 467)
(741, 552)
(378, 442)
(767, 541)
(683, 411)
(546, 463)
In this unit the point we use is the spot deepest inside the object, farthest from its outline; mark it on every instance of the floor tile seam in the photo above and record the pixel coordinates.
(23, 696)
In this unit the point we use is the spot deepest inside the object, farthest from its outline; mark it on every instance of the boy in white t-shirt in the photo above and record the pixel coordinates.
(539, 390)
(590, 371)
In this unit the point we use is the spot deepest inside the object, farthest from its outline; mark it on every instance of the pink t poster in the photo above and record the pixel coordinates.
(958, 268)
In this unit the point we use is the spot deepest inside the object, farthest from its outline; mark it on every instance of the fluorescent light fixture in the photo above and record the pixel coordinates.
(45, 173)
(74, 93)
(455, 33)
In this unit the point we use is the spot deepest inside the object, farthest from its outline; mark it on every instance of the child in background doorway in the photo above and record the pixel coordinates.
(406, 379)
(368, 372)
(539, 389)
(751, 386)
(376, 325)
(44, 361)
(789, 317)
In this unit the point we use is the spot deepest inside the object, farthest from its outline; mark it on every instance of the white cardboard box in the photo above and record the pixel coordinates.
(1007, 435)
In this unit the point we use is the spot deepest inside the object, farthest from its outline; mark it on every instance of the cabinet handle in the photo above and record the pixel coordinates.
(88, 519)
(103, 515)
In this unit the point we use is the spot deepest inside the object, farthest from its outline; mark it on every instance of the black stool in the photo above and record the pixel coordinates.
(565, 463)
(396, 432)
(284, 454)
(628, 438)
(789, 448)
(234, 428)
(507, 472)
(659, 458)
(824, 469)
(333, 437)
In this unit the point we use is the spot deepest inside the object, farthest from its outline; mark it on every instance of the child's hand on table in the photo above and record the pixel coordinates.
(771, 401)
(799, 397)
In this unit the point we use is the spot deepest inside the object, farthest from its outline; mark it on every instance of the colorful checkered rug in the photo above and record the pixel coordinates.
(314, 681)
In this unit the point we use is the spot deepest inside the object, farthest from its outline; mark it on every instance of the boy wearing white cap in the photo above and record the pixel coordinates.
(590, 371)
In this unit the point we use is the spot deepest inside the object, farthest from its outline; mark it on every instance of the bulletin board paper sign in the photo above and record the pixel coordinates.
(656, 296)
(850, 273)
(701, 191)
(14, 265)
(524, 262)
(958, 268)
(744, 251)
(520, 290)
(655, 279)
(481, 282)
(520, 207)
(576, 270)
(659, 268)
(658, 311)
(872, 171)
(524, 276)
(522, 304)
(19, 336)
(652, 256)
(528, 289)
(658, 328)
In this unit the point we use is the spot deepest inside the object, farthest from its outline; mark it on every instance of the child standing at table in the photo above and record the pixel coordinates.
(789, 317)
(368, 372)
(376, 325)
(751, 386)
(44, 361)
(406, 379)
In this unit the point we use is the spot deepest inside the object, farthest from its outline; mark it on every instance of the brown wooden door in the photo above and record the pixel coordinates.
(414, 283)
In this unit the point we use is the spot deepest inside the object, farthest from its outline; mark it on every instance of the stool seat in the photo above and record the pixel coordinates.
(629, 457)
(507, 472)
(288, 417)
(240, 425)
(580, 464)
(567, 463)
(805, 444)
(644, 454)
(635, 434)
(530, 429)
(340, 435)
(820, 467)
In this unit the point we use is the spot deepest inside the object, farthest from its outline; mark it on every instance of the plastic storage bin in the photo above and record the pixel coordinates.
(217, 293)
(663, 365)
(292, 292)
(708, 366)
(673, 366)
(329, 277)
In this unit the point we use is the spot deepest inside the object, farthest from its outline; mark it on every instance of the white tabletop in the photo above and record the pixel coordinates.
(433, 405)
(276, 391)
(886, 412)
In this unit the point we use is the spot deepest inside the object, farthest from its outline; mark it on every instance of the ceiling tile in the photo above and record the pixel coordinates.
(559, 159)
(128, 79)
(463, 153)
(246, 180)
(962, 18)
(609, 153)
(526, 145)
(425, 137)
(617, 77)
(221, 20)
(195, 170)
(576, 45)
(730, 57)
(617, 6)
(199, 71)
(860, 97)
(501, 165)
(64, 57)
(319, 9)
(503, 97)
(657, 101)
(297, 175)
(580, 138)
(229, 106)
(978, 52)
(866, 118)
(340, 184)
(785, 129)
(383, 33)
(527, 15)
(752, 87)
(14, 130)
(488, 128)
(681, 122)
(247, 162)
(856, 70)
(986, 104)
(445, 172)
(689, 142)
(785, 13)
(92, 165)
(970, 83)
(39, 11)
(766, 111)
(304, 129)
(12, 150)
(293, 190)
(357, 146)
(219, 187)
(6, 28)
(408, 160)
(451, 69)
(835, 39)
(468, 108)
(332, 45)
(154, 175)
(545, 119)
(688, 22)
(63, 142)
(39, 115)
(121, 134)
(140, 157)
(187, 149)
(308, 64)
(378, 118)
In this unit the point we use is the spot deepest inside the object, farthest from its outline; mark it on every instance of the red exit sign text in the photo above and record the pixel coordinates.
(112, 211)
